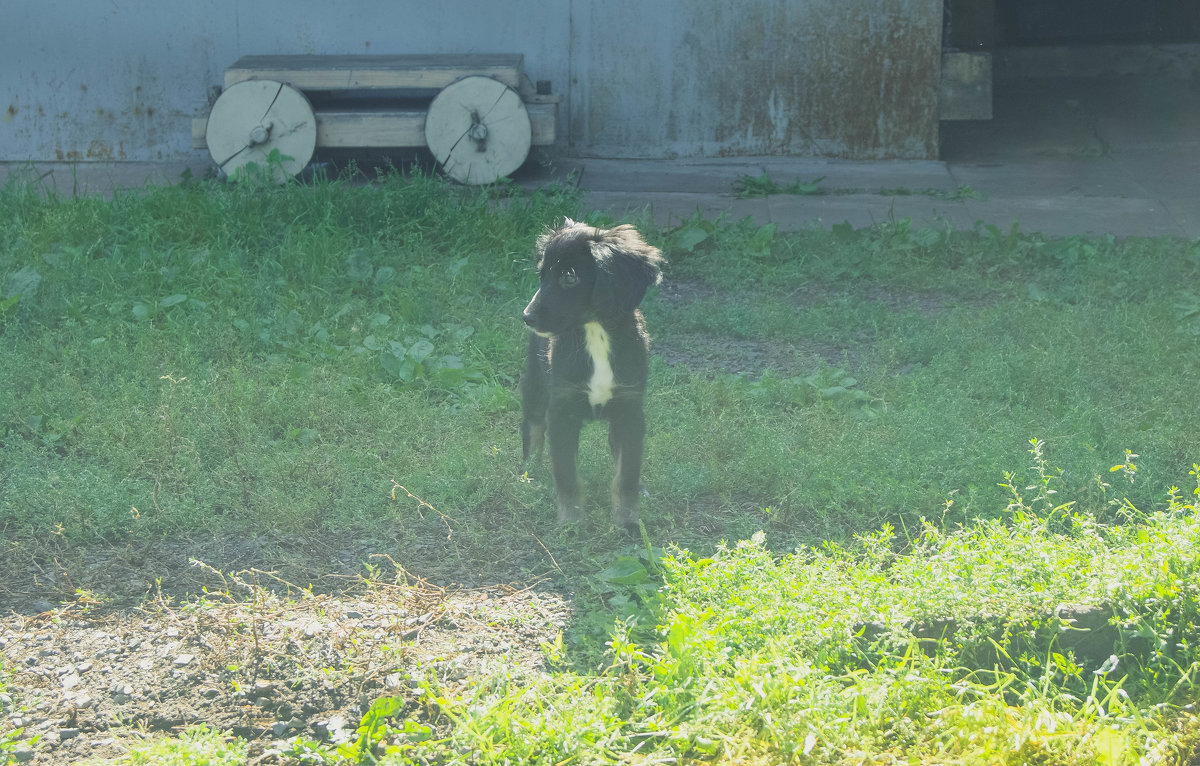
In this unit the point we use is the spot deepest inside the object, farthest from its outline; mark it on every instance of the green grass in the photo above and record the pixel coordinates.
(196, 745)
(964, 345)
(748, 187)
(232, 359)
(827, 655)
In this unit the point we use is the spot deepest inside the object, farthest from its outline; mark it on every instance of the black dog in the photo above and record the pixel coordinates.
(589, 355)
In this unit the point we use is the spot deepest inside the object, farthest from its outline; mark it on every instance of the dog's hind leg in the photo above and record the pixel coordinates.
(625, 437)
(563, 432)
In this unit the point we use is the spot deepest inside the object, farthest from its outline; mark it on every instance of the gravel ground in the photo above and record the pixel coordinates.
(252, 653)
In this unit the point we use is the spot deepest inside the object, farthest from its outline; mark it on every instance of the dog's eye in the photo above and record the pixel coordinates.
(568, 278)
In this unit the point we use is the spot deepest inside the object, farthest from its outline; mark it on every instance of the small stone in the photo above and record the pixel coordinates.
(70, 681)
(334, 729)
(83, 667)
(68, 733)
(23, 753)
(209, 693)
(263, 688)
(185, 659)
(83, 701)
(279, 728)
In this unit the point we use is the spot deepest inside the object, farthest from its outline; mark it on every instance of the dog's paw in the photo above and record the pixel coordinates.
(625, 517)
(630, 526)
(568, 513)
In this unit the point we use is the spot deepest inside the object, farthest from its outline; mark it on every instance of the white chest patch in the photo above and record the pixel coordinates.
(600, 387)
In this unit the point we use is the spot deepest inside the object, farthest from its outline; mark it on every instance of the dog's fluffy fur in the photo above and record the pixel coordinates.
(588, 356)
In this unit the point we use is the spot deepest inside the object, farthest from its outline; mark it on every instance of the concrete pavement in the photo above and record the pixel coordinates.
(1146, 195)
(1127, 193)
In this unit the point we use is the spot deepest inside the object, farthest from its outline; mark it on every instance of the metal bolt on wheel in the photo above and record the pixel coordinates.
(478, 130)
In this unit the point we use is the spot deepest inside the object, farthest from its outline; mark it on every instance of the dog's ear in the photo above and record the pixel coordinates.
(626, 266)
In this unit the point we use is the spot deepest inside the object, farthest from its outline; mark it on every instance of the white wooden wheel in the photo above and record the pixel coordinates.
(478, 130)
(265, 122)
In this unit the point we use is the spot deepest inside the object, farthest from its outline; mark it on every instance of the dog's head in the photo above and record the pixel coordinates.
(590, 274)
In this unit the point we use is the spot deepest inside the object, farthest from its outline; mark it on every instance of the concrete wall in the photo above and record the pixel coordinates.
(120, 80)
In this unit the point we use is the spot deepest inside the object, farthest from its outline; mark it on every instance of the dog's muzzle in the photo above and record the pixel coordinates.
(530, 315)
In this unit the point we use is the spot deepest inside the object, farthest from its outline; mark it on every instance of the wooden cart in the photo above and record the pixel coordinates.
(478, 114)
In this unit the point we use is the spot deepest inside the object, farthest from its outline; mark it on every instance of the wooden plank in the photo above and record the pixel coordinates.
(341, 130)
(426, 72)
(377, 128)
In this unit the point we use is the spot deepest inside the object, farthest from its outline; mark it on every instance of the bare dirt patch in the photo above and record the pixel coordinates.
(708, 353)
(737, 356)
(249, 651)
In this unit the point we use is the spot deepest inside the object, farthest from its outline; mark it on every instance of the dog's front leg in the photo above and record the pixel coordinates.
(563, 431)
(626, 434)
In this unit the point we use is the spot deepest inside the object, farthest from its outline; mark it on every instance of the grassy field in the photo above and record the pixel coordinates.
(929, 441)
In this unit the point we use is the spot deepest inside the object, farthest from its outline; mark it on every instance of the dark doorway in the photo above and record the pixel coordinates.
(1078, 78)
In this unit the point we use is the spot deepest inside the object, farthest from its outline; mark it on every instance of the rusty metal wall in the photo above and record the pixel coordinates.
(121, 80)
(832, 78)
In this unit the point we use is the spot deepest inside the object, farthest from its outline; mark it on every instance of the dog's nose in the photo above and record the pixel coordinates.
(530, 313)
